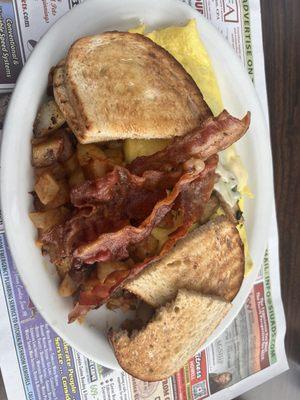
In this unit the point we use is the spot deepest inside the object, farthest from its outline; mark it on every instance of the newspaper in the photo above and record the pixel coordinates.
(36, 363)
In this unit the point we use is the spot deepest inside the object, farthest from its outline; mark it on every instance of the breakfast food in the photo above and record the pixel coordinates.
(139, 82)
(209, 260)
(186, 322)
(136, 199)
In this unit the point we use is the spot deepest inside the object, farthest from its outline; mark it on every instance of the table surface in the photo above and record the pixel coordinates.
(280, 32)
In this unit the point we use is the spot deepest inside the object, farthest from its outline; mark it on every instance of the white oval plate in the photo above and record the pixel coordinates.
(238, 94)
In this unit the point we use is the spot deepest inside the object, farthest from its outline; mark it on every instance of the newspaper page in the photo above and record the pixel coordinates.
(22, 23)
(37, 364)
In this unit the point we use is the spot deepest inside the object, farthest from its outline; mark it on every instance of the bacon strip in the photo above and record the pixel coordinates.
(120, 184)
(214, 135)
(94, 295)
(124, 195)
(102, 218)
(105, 205)
(113, 246)
(81, 228)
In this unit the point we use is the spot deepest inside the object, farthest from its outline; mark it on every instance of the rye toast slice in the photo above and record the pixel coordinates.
(209, 260)
(172, 336)
(123, 85)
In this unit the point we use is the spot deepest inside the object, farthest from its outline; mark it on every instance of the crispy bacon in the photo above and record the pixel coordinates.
(191, 200)
(83, 227)
(214, 135)
(120, 184)
(104, 206)
(114, 246)
(121, 193)
(103, 189)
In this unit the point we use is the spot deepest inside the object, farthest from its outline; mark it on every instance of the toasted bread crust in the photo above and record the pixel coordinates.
(209, 260)
(174, 335)
(123, 85)
(62, 98)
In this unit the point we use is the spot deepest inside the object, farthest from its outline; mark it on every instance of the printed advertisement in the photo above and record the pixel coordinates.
(22, 23)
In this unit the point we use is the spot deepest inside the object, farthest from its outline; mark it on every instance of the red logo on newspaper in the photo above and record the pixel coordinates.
(198, 376)
(199, 5)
